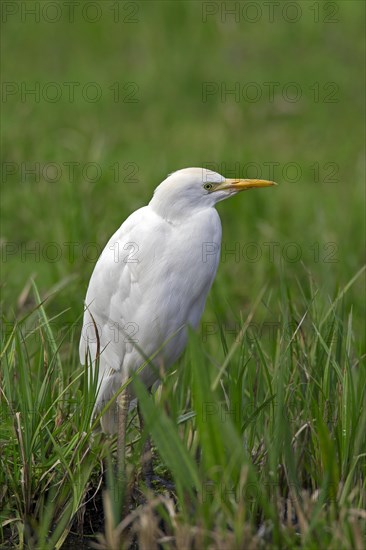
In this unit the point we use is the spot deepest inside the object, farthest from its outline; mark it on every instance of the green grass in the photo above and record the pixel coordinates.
(260, 428)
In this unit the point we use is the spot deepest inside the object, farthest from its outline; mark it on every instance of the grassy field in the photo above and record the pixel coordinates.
(259, 432)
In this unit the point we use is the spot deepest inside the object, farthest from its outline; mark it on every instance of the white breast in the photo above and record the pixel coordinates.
(150, 282)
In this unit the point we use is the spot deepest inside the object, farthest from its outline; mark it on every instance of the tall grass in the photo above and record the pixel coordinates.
(263, 446)
(47, 457)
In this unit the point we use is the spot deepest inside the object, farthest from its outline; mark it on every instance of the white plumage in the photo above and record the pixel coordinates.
(152, 280)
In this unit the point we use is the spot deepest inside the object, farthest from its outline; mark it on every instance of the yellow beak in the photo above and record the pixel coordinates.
(243, 185)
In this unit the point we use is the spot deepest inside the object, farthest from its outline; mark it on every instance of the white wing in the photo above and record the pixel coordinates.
(150, 281)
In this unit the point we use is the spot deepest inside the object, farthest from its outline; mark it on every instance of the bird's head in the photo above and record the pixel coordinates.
(184, 192)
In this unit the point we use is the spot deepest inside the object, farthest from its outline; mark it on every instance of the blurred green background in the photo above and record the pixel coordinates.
(173, 65)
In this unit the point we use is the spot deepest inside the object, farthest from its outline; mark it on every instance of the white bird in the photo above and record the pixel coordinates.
(151, 282)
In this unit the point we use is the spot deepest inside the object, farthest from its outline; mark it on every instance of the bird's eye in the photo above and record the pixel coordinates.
(207, 186)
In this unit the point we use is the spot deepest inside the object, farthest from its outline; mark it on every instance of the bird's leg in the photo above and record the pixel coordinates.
(123, 403)
(147, 460)
(147, 463)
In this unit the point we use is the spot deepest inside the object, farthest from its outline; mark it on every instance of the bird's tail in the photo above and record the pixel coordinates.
(108, 387)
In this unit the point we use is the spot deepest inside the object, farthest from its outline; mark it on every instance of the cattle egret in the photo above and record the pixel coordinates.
(151, 282)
